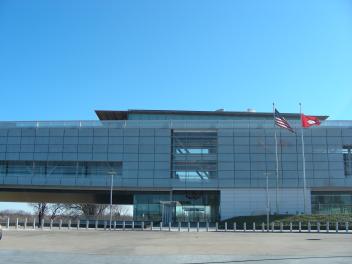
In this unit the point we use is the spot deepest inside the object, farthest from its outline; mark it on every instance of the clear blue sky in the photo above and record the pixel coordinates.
(63, 59)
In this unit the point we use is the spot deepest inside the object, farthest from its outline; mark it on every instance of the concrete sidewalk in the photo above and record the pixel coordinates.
(173, 247)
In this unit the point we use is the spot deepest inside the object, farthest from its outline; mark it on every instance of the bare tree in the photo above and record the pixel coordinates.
(87, 210)
(41, 210)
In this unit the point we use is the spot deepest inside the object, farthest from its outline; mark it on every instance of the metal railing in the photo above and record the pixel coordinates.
(163, 124)
(80, 224)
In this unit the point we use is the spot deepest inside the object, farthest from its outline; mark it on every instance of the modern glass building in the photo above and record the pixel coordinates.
(180, 165)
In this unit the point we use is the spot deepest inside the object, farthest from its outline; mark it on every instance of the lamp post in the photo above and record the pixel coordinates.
(267, 201)
(111, 173)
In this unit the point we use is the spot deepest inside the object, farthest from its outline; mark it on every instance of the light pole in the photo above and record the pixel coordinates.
(267, 201)
(112, 173)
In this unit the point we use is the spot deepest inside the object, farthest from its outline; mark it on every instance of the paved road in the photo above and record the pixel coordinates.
(164, 247)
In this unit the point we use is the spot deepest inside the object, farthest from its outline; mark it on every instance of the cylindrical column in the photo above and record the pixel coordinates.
(96, 224)
(114, 224)
(290, 226)
(234, 227)
(142, 225)
(244, 227)
(69, 224)
(272, 226)
(318, 227)
(299, 226)
(225, 226)
(105, 225)
(207, 226)
(25, 223)
(263, 227)
(309, 227)
(42, 224)
(33, 223)
(179, 226)
(161, 226)
(253, 226)
(87, 224)
(346, 226)
(16, 223)
(78, 223)
(124, 225)
(169, 226)
(151, 225)
(281, 227)
(8, 223)
(198, 226)
(60, 224)
(188, 226)
(327, 226)
(51, 223)
(337, 227)
(216, 226)
(132, 225)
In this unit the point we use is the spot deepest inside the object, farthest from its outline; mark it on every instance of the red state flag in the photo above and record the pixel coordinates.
(308, 121)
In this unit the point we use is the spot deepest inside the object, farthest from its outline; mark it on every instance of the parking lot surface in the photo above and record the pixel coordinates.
(173, 247)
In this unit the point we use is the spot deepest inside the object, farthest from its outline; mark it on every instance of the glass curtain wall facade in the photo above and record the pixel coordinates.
(206, 166)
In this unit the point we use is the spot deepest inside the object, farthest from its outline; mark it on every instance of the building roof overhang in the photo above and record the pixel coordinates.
(123, 115)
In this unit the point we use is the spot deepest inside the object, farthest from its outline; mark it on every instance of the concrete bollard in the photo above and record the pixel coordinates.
(115, 225)
(216, 226)
(96, 224)
(299, 226)
(234, 227)
(327, 227)
(291, 227)
(225, 226)
(207, 226)
(309, 227)
(16, 223)
(263, 227)
(33, 223)
(346, 227)
(51, 223)
(60, 224)
(142, 225)
(272, 226)
(78, 224)
(8, 223)
(169, 226)
(253, 226)
(124, 225)
(161, 226)
(87, 224)
(318, 227)
(198, 226)
(132, 225)
(188, 226)
(179, 227)
(337, 227)
(151, 225)
(281, 227)
(69, 224)
(105, 224)
(42, 224)
(25, 223)
(244, 227)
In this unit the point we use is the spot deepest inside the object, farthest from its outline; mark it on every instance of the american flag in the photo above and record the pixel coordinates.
(280, 121)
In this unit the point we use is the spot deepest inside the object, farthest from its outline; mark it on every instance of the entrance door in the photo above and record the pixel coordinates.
(168, 211)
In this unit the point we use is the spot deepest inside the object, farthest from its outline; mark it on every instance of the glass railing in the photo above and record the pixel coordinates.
(179, 124)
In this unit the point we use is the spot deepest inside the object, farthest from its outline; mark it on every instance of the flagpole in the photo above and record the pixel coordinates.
(277, 165)
(304, 164)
